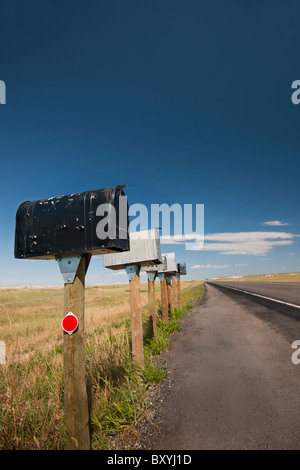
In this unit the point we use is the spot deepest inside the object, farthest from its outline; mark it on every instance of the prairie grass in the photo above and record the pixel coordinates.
(30, 319)
(31, 383)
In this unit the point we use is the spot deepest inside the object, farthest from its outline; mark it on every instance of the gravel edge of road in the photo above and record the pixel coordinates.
(149, 430)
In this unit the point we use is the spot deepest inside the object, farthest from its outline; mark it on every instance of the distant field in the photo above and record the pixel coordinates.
(30, 319)
(276, 277)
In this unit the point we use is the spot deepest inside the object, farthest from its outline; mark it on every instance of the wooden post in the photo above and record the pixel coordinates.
(170, 293)
(179, 291)
(174, 289)
(164, 298)
(136, 316)
(151, 302)
(75, 392)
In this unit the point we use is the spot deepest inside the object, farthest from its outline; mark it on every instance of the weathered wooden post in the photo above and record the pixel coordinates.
(152, 272)
(151, 302)
(181, 271)
(144, 251)
(133, 273)
(70, 230)
(179, 298)
(164, 296)
(170, 292)
(170, 267)
(75, 392)
(174, 289)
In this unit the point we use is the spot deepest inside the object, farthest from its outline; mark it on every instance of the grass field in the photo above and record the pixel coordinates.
(30, 319)
(276, 277)
(31, 382)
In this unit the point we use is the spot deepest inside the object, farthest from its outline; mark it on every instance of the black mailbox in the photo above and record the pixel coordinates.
(67, 225)
(181, 268)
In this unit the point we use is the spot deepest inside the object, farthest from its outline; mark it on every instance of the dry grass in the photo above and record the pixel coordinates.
(31, 383)
(30, 319)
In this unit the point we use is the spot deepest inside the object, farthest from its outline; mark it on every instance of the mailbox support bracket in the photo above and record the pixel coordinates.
(131, 271)
(151, 275)
(177, 276)
(68, 266)
(161, 276)
(169, 278)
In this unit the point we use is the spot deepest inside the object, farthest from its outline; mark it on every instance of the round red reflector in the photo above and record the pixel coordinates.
(69, 323)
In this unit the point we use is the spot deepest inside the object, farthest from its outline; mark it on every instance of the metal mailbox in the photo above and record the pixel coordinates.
(67, 225)
(170, 265)
(181, 268)
(144, 251)
(156, 267)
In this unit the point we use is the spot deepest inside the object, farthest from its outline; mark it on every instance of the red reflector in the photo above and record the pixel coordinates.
(69, 323)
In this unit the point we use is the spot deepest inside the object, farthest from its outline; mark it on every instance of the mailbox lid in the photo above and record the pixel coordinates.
(144, 250)
(66, 225)
(181, 268)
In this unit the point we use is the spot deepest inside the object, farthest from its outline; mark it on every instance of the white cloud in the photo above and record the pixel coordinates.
(214, 266)
(235, 243)
(275, 223)
(179, 239)
(245, 243)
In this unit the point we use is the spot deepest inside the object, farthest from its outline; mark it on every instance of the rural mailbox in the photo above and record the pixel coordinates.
(170, 265)
(165, 276)
(165, 273)
(156, 267)
(71, 229)
(181, 269)
(152, 271)
(69, 225)
(144, 251)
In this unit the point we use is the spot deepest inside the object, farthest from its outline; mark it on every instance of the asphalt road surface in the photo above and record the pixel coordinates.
(285, 291)
(232, 383)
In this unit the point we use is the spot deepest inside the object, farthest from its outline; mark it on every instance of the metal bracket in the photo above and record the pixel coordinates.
(161, 276)
(151, 275)
(131, 271)
(177, 276)
(169, 278)
(68, 266)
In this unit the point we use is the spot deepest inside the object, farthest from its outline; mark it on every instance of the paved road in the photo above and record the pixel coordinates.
(285, 291)
(233, 384)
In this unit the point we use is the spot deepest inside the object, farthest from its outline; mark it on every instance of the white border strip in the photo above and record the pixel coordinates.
(258, 295)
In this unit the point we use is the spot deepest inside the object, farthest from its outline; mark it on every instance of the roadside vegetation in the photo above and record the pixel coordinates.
(31, 383)
(275, 277)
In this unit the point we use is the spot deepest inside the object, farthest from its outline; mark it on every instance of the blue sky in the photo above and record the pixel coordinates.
(187, 102)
